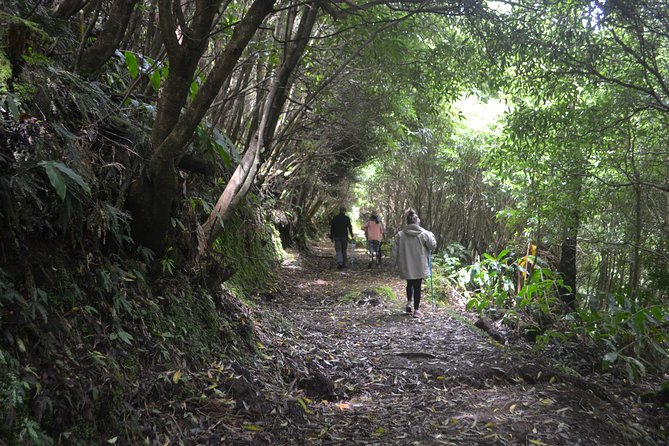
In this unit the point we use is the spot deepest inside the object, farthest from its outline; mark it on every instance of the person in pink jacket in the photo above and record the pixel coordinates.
(374, 234)
(411, 255)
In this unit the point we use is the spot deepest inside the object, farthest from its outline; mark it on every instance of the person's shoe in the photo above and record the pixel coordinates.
(340, 267)
(369, 265)
(417, 314)
(408, 309)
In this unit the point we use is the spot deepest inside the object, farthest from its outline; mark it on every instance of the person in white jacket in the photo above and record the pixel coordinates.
(411, 255)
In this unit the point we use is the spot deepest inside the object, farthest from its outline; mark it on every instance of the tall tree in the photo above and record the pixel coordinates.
(152, 196)
(245, 173)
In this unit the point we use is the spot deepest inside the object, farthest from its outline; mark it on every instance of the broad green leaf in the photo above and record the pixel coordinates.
(132, 64)
(156, 80)
(123, 336)
(56, 179)
(13, 105)
(73, 176)
(224, 147)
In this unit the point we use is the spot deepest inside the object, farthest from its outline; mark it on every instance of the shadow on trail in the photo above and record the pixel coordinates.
(437, 380)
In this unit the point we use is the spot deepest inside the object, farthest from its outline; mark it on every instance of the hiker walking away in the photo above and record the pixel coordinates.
(374, 235)
(340, 228)
(411, 255)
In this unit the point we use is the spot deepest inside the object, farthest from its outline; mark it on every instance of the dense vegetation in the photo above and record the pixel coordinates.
(152, 151)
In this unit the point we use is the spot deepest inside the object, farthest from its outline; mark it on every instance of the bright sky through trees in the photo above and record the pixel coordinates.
(480, 116)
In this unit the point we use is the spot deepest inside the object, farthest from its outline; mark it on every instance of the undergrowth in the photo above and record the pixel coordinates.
(94, 329)
(523, 292)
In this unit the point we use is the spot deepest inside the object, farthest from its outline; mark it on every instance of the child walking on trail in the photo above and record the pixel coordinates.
(374, 234)
(411, 253)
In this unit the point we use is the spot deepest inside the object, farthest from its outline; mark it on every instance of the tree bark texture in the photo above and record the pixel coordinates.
(567, 268)
(245, 173)
(68, 8)
(93, 57)
(185, 44)
(152, 196)
(635, 261)
(567, 265)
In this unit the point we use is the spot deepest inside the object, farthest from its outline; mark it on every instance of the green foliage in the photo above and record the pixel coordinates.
(60, 175)
(658, 277)
(5, 74)
(540, 291)
(7, 19)
(387, 292)
(515, 289)
(137, 65)
(16, 387)
(634, 335)
(218, 145)
(252, 248)
(493, 281)
(114, 308)
(351, 296)
(9, 296)
(586, 135)
(166, 262)
(15, 406)
(131, 63)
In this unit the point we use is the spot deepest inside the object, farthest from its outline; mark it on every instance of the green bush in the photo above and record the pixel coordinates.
(632, 331)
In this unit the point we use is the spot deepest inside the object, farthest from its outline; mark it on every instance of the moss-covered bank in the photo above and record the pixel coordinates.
(79, 361)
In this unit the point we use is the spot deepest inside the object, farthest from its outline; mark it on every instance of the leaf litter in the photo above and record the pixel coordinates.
(334, 369)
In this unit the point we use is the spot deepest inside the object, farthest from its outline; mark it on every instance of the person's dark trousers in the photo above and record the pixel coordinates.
(341, 244)
(413, 291)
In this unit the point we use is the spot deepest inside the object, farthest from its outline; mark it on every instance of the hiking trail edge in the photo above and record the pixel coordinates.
(380, 377)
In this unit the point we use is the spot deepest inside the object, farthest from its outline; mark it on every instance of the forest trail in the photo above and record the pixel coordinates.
(384, 378)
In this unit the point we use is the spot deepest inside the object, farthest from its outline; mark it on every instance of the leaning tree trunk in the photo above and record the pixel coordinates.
(246, 172)
(67, 8)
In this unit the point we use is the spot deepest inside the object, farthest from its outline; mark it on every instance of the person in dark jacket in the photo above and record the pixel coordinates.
(340, 228)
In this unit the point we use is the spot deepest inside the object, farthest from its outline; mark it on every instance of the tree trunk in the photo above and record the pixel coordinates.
(96, 55)
(567, 266)
(151, 198)
(635, 261)
(185, 46)
(246, 171)
(603, 277)
(67, 8)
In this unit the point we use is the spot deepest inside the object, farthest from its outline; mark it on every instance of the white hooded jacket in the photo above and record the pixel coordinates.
(411, 252)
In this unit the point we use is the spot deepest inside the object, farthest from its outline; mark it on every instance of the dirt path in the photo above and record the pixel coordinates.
(380, 377)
